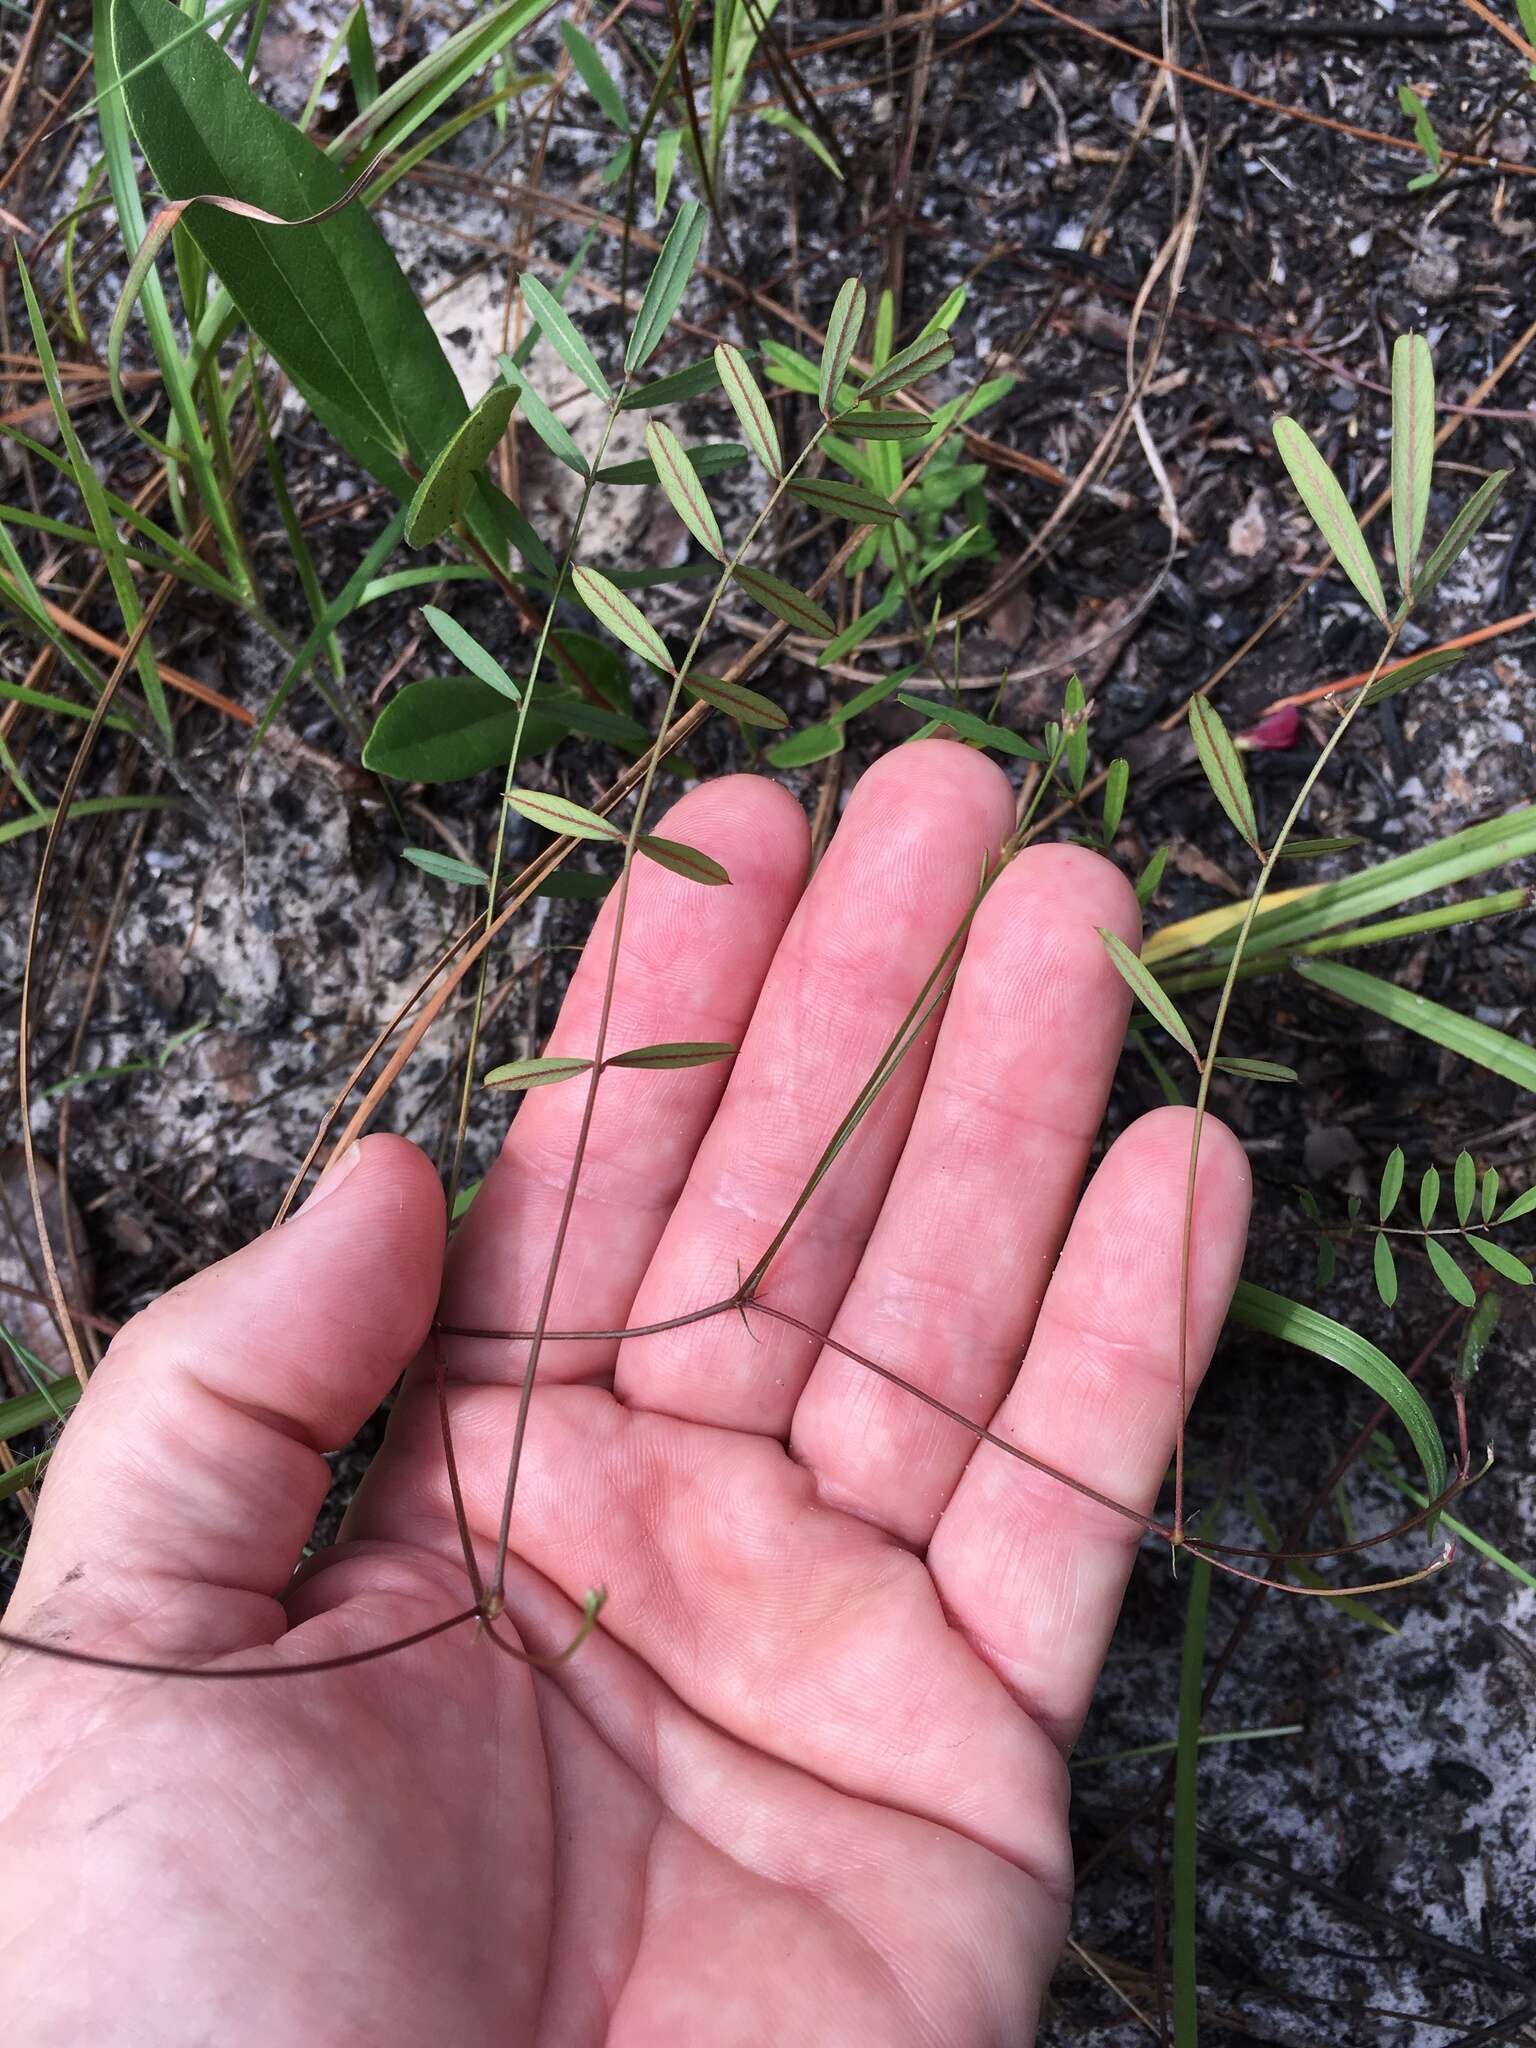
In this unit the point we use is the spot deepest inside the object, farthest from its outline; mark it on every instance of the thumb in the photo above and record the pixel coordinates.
(195, 1456)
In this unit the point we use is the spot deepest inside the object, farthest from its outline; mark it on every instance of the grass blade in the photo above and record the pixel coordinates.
(1496, 1050)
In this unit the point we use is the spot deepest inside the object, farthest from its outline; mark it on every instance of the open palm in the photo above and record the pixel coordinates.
(807, 1782)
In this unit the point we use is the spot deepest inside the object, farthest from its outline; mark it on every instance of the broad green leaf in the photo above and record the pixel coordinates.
(680, 481)
(669, 1058)
(445, 867)
(1464, 1185)
(621, 616)
(443, 492)
(1391, 1183)
(1460, 531)
(737, 701)
(1256, 1070)
(886, 426)
(477, 659)
(812, 743)
(842, 334)
(1256, 1308)
(668, 143)
(1320, 493)
(1413, 449)
(686, 861)
(547, 424)
(1503, 1262)
(1449, 1274)
(1403, 675)
(668, 281)
(558, 330)
(1146, 989)
(781, 117)
(1429, 1196)
(537, 1073)
(595, 75)
(558, 814)
(750, 407)
(1223, 767)
(1386, 1270)
(1496, 1050)
(970, 727)
(330, 301)
(845, 501)
(450, 727)
(784, 601)
(674, 389)
(928, 353)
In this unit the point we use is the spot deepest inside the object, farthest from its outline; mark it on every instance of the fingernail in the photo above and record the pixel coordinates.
(333, 1177)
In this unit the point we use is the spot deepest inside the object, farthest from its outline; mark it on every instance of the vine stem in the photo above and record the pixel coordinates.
(495, 1596)
(1208, 1064)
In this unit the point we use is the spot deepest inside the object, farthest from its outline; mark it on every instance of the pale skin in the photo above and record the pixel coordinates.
(807, 1783)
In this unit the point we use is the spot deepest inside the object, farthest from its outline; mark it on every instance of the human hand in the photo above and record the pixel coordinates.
(807, 1782)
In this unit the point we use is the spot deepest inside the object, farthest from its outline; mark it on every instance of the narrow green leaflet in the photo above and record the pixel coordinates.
(845, 501)
(858, 630)
(1141, 983)
(811, 744)
(707, 459)
(674, 389)
(1502, 1261)
(550, 428)
(668, 143)
(970, 727)
(1256, 1070)
(842, 333)
(1522, 1205)
(750, 407)
(595, 76)
(784, 601)
(686, 861)
(477, 659)
(1151, 875)
(886, 426)
(1460, 532)
(1488, 1199)
(1320, 493)
(1464, 1185)
(780, 117)
(1385, 1267)
(445, 867)
(1223, 767)
(1391, 1183)
(1404, 674)
(1413, 449)
(1314, 849)
(440, 496)
(737, 701)
(1256, 1308)
(668, 282)
(1074, 718)
(538, 1073)
(1117, 782)
(559, 814)
(621, 615)
(685, 494)
(1496, 1050)
(558, 330)
(928, 353)
(1429, 1196)
(1449, 1274)
(669, 1058)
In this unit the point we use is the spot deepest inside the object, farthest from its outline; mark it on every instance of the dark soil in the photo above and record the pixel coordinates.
(1365, 1880)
